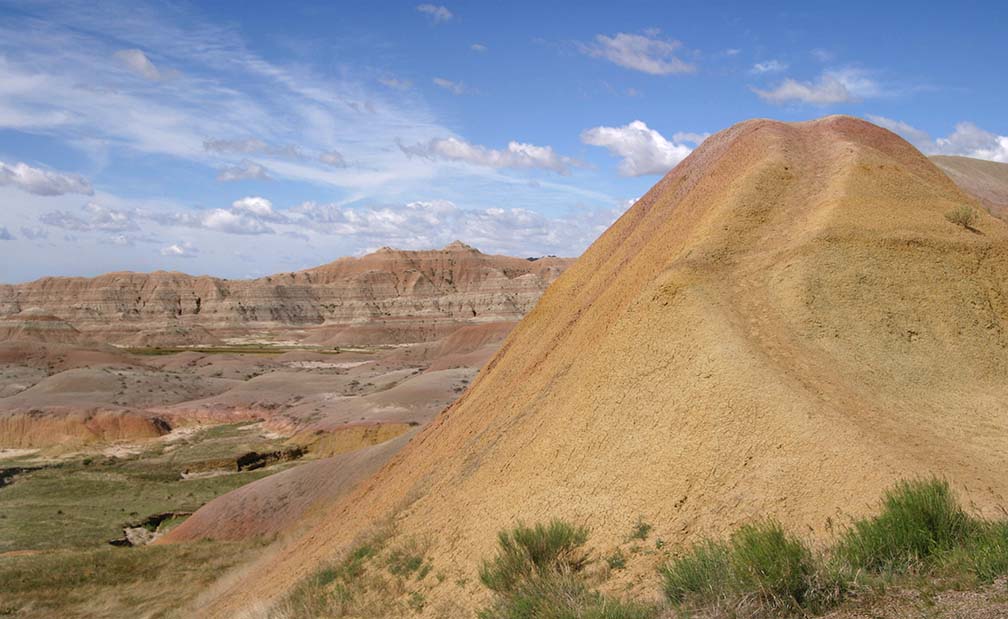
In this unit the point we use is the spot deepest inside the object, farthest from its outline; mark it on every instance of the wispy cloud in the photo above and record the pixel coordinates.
(139, 63)
(642, 149)
(646, 52)
(5, 234)
(43, 182)
(516, 155)
(768, 66)
(436, 12)
(245, 170)
(92, 217)
(456, 88)
(478, 47)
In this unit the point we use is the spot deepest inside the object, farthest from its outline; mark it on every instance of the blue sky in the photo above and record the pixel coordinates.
(241, 139)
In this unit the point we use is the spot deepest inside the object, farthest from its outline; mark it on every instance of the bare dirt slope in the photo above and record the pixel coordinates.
(783, 326)
(986, 180)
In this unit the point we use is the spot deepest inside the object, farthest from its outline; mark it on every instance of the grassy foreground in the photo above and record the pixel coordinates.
(921, 540)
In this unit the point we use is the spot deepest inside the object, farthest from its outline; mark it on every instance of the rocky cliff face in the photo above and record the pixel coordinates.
(390, 294)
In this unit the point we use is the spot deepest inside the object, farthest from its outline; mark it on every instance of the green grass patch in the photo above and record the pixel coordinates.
(920, 521)
(148, 581)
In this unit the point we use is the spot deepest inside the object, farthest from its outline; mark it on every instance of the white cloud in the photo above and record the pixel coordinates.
(245, 170)
(478, 47)
(848, 85)
(770, 66)
(967, 140)
(258, 207)
(333, 158)
(43, 182)
(516, 155)
(644, 150)
(233, 222)
(456, 88)
(5, 234)
(139, 63)
(93, 218)
(646, 53)
(182, 249)
(436, 12)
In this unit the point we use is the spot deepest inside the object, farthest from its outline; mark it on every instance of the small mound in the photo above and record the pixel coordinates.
(36, 325)
(275, 504)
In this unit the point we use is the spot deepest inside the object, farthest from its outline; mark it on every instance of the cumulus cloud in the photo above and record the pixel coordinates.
(644, 150)
(245, 170)
(93, 217)
(5, 234)
(333, 158)
(182, 249)
(840, 86)
(770, 66)
(516, 155)
(436, 12)
(641, 52)
(43, 182)
(456, 88)
(435, 223)
(967, 140)
(138, 62)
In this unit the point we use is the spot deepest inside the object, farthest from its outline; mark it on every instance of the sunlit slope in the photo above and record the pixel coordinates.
(782, 326)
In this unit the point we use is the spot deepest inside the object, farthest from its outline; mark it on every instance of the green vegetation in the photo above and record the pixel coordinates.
(85, 502)
(963, 216)
(538, 572)
(148, 581)
(641, 530)
(527, 551)
(374, 579)
(920, 531)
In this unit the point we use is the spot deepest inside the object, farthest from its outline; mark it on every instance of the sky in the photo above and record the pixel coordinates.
(240, 139)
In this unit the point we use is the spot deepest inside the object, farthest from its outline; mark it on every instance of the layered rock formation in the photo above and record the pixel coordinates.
(386, 296)
(782, 327)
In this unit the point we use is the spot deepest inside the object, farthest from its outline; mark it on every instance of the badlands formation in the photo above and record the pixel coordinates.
(782, 327)
(389, 296)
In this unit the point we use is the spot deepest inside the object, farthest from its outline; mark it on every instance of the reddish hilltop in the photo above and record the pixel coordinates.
(783, 326)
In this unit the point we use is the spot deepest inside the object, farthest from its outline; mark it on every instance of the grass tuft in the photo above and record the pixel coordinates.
(920, 520)
(526, 551)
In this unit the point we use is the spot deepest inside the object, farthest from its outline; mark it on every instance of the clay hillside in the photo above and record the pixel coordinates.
(782, 327)
(987, 180)
(389, 296)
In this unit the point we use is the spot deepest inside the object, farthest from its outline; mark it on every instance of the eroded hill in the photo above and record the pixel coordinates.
(782, 327)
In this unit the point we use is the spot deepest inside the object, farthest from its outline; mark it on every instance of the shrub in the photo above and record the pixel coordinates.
(962, 216)
(641, 530)
(767, 560)
(703, 572)
(527, 551)
(919, 520)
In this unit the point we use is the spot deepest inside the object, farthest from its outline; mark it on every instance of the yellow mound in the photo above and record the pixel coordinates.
(783, 326)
